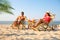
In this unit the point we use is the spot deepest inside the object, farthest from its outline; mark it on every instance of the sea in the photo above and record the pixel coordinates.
(10, 22)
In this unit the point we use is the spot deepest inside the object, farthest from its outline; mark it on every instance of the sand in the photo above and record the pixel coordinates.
(7, 33)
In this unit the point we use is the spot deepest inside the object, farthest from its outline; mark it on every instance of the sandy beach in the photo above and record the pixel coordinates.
(7, 33)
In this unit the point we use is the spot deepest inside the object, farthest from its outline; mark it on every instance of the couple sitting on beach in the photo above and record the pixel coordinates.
(20, 21)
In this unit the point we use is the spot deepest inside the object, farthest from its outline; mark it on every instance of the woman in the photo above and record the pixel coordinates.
(46, 19)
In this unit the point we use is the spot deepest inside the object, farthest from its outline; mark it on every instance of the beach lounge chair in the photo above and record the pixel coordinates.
(44, 26)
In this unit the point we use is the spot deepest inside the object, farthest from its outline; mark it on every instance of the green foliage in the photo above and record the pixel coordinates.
(5, 6)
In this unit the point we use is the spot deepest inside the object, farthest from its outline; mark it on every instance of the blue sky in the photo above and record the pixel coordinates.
(33, 9)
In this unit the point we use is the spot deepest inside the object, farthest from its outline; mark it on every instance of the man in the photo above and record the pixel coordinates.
(20, 21)
(21, 18)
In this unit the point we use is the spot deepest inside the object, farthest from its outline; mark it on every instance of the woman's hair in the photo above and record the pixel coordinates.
(48, 14)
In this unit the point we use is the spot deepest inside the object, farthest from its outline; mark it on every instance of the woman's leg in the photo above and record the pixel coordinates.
(39, 22)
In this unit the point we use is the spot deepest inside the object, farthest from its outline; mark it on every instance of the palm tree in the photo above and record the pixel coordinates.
(5, 6)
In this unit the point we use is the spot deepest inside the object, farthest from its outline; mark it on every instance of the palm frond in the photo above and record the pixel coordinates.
(5, 6)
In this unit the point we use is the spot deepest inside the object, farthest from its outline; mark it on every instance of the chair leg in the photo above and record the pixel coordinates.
(23, 27)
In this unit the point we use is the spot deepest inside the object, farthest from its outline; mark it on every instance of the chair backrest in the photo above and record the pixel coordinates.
(52, 17)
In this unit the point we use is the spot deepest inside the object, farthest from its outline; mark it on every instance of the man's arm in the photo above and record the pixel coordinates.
(26, 18)
(17, 18)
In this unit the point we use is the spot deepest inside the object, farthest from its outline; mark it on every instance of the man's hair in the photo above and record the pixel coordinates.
(22, 12)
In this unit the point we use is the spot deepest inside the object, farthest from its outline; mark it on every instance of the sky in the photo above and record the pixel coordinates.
(33, 9)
